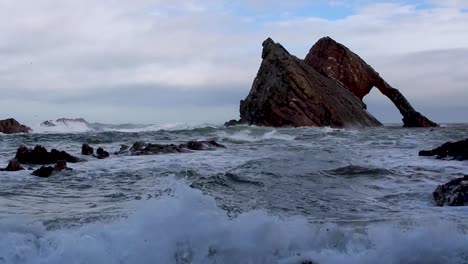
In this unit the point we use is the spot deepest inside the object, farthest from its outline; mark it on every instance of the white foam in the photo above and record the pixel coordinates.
(248, 136)
(66, 126)
(188, 227)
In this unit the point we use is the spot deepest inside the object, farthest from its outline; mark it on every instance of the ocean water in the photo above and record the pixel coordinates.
(272, 196)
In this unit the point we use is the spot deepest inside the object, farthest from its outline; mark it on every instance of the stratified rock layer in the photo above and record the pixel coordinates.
(289, 92)
(336, 61)
(11, 126)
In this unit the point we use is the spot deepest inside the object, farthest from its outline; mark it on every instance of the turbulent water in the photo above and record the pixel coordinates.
(272, 196)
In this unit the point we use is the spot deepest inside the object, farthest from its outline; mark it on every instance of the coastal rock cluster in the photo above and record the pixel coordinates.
(455, 192)
(39, 155)
(324, 89)
(11, 126)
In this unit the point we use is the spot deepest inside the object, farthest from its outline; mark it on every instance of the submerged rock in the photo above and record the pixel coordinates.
(336, 61)
(13, 165)
(47, 171)
(11, 126)
(289, 92)
(141, 148)
(40, 155)
(87, 150)
(101, 153)
(456, 150)
(454, 193)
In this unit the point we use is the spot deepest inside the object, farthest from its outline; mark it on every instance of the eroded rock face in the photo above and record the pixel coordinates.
(456, 150)
(336, 61)
(141, 148)
(289, 92)
(11, 126)
(40, 155)
(454, 193)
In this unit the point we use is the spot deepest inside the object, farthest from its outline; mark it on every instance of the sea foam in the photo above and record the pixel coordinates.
(187, 226)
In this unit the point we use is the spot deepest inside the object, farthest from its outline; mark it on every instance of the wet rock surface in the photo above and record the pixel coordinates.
(336, 61)
(289, 92)
(13, 165)
(47, 171)
(454, 193)
(11, 126)
(87, 150)
(40, 156)
(101, 153)
(453, 150)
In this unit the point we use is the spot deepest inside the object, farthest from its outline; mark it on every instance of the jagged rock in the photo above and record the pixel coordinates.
(11, 126)
(67, 120)
(141, 148)
(101, 153)
(336, 61)
(202, 145)
(454, 193)
(233, 122)
(87, 150)
(48, 123)
(40, 155)
(457, 150)
(47, 171)
(13, 165)
(289, 92)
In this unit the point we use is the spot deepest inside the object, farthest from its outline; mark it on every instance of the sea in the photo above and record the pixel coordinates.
(273, 195)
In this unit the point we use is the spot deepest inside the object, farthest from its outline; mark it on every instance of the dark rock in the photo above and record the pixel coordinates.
(87, 150)
(43, 172)
(457, 150)
(290, 92)
(13, 165)
(202, 145)
(11, 126)
(101, 153)
(47, 171)
(336, 61)
(233, 122)
(48, 123)
(40, 155)
(454, 193)
(67, 120)
(141, 148)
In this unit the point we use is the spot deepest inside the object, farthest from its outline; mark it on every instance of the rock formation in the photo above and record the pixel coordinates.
(454, 193)
(101, 153)
(40, 155)
(336, 61)
(289, 92)
(47, 171)
(11, 126)
(13, 165)
(87, 150)
(457, 151)
(324, 89)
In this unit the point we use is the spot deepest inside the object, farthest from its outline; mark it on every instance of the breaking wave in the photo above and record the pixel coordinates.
(186, 226)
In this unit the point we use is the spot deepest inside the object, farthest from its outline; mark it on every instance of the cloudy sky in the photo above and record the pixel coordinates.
(192, 61)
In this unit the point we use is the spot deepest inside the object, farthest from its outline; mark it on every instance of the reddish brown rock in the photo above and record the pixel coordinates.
(11, 126)
(40, 155)
(336, 61)
(87, 150)
(289, 92)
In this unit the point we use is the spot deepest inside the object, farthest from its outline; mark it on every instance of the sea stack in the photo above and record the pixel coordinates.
(336, 61)
(324, 89)
(289, 92)
(11, 126)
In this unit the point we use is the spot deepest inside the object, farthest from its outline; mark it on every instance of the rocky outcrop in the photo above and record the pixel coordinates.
(87, 150)
(290, 92)
(456, 150)
(101, 153)
(141, 148)
(454, 193)
(47, 171)
(11, 126)
(233, 122)
(64, 121)
(40, 155)
(336, 61)
(13, 165)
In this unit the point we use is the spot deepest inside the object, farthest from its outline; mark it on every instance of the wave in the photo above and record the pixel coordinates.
(245, 136)
(186, 226)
